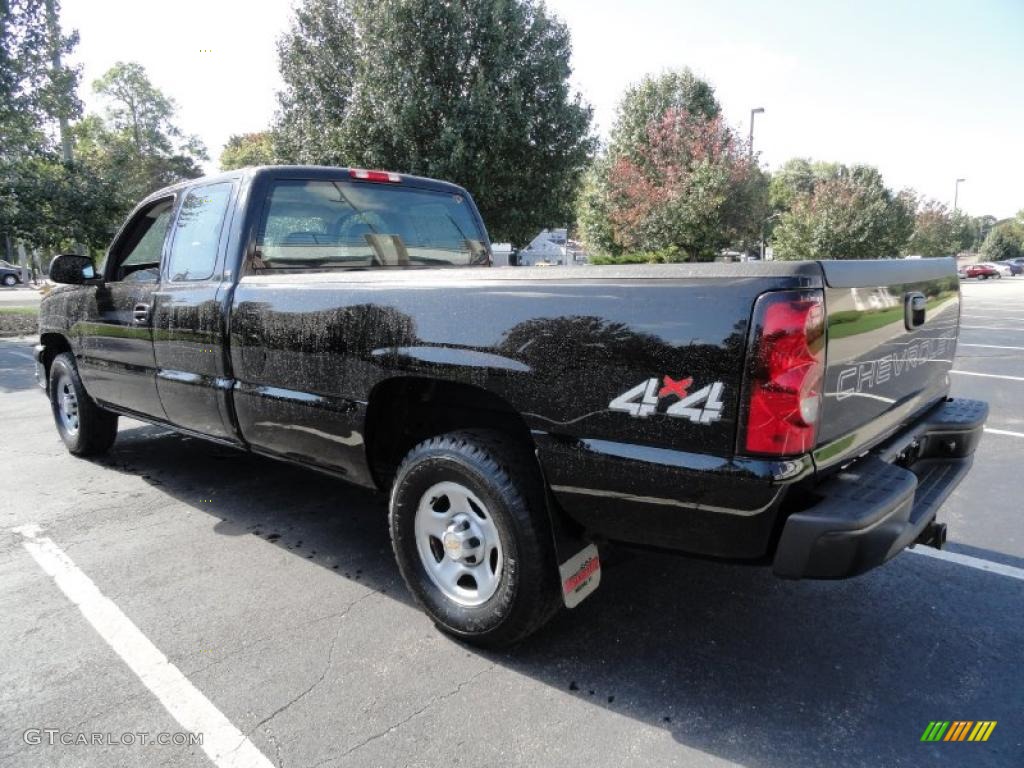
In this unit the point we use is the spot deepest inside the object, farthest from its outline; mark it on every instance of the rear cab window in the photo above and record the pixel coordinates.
(339, 224)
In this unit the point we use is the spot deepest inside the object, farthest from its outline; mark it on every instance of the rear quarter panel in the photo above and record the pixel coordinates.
(558, 350)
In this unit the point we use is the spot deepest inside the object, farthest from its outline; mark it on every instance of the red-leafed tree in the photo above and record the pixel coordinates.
(688, 192)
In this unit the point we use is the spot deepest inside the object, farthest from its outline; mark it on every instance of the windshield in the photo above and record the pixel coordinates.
(340, 224)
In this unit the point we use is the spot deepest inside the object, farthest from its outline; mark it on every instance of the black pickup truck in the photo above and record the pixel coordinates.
(788, 414)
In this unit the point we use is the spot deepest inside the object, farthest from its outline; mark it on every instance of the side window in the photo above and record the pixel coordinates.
(197, 232)
(136, 255)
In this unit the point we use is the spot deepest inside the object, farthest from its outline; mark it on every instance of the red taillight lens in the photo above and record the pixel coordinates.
(364, 175)
(785, 374)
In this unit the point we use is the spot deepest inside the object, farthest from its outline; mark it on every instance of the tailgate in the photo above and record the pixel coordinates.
(892, 330)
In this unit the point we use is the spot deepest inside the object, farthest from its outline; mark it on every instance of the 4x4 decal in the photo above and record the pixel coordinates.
(701, 407)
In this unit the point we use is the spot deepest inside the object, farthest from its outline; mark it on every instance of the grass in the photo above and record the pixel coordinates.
(28, 311)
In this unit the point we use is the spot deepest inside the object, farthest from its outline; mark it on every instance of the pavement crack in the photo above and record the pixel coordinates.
(251, 644)
(326, 669)
(392, 728)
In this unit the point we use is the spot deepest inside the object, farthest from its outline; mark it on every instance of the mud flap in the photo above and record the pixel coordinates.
(579, 565)
(580, 576)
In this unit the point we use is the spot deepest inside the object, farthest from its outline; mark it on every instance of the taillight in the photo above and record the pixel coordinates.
(787, 366)
(364, 175)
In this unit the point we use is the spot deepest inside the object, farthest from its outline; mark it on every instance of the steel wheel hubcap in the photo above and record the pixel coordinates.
(67, 404)
(458, 543)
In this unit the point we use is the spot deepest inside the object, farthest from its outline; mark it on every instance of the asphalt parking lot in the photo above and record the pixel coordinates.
(273, 591)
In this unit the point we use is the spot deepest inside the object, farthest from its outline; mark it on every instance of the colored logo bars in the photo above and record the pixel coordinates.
(958, 730)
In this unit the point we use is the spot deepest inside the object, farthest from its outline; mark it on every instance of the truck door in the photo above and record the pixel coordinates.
(188, 322)
(116, 362)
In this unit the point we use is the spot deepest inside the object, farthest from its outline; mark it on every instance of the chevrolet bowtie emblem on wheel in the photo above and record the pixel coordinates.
(701, 407)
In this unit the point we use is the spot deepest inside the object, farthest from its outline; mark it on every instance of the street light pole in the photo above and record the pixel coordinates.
(750, 143)
(956, 193)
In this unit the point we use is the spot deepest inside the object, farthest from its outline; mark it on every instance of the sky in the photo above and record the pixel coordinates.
(928, 92)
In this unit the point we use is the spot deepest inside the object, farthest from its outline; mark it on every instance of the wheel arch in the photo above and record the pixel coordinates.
(405, 410)
(53, 345)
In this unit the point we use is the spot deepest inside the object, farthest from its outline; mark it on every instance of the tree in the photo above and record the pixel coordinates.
(650, 100)
(676, 183)
(137, 141)
(851, 215)
(796, 178)
(982, 226)
(693, 188)
(473, 91)
(939, 232)
(56, 204)
(34, 92)
(248, 149)
(1002, 243)
(46, 201)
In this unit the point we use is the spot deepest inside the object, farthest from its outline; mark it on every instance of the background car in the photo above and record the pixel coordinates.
(1016, 266)
(984, 271)
(9, 276)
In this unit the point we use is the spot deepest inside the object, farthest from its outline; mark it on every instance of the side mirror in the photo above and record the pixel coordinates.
(73, 269)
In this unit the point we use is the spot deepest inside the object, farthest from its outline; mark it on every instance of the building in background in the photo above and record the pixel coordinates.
(553, 247)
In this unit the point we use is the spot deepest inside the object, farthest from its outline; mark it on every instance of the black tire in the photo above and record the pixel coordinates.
(10, 280)
(97, 428)
(504, 477)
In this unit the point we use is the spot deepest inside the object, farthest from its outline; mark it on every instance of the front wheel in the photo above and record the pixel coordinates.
(472, 538)
(85, 428)
(10, 280)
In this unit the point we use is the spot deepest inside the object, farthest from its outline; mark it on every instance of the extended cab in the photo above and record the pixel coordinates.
(788, 414)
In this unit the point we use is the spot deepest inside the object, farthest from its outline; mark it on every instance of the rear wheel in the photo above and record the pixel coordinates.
(10, 280)
(472, 538)
(85, 428)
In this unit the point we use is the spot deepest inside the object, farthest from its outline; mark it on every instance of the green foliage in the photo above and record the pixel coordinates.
(594, 210)
(668, 255)
(982, 226)
(137, 141)
(51, 205)
(44, 202)
(939, 232)
(248, 149)
(847, 215)
(1003, 242)
(32, 92)
(473, 91)
(674, 177)
(650, 100)
(796, 178)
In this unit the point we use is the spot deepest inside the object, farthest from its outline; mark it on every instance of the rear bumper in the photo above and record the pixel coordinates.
(873, 509)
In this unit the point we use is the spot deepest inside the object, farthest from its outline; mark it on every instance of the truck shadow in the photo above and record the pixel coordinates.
(727, 659)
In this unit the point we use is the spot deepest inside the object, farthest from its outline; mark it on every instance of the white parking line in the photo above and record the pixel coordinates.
(984, 315)
(989, 346)
(1006, 432)
(989, 375)
(225, 745)
(970, 562)
(988, 328)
